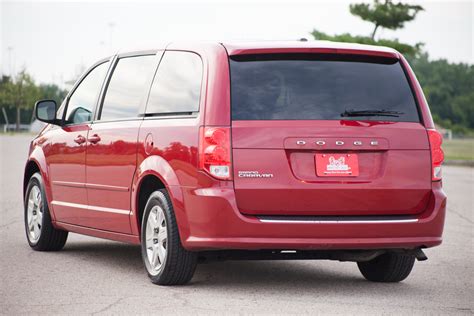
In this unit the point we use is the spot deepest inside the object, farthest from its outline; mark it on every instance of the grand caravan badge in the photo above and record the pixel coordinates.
(254, 174)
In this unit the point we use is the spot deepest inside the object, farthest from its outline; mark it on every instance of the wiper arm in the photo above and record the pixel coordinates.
(351, 113)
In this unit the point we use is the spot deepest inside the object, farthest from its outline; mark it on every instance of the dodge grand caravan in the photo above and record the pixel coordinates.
(273, 150)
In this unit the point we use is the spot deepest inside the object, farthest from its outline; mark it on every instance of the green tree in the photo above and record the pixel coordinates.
(385, 14)
(52, 92)
(20, 93)
(405, 49)
(18, 96)
(448, 87)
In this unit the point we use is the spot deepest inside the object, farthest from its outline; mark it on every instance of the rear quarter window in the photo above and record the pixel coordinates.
(318, 87)
(177, 84)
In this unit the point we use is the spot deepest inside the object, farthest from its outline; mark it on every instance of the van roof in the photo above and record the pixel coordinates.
(268, 47)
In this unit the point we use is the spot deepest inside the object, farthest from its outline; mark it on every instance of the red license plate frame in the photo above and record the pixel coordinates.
(337, 165)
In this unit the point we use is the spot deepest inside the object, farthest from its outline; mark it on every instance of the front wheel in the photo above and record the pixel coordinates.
(389, 267)
(165, 259)
(40, 233)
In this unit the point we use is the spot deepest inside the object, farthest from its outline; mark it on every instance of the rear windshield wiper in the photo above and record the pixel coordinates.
(352, 113)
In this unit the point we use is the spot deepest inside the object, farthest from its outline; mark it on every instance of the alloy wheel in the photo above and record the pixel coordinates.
(156, 239)
(34, 214)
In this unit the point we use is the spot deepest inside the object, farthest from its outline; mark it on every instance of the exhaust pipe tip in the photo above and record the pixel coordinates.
(420, 255)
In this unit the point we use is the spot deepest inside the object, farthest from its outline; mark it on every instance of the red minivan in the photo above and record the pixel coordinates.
(266, 150)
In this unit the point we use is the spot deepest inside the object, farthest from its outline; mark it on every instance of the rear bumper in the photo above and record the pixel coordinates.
(213, 221)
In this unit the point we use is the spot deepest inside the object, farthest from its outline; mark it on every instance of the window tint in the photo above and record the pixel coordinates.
(319, 87)
(177, 84)
(127, 87)
(82, 101)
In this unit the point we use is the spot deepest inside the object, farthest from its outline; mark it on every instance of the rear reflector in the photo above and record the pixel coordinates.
(214, 151)
(437, 154)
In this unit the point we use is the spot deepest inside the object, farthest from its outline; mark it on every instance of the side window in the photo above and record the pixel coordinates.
(177, 84)
(126, 90)
(82, 101)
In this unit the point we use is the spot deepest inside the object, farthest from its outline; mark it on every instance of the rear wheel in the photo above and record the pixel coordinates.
(40, 233)
(389, 267)
(165, 259)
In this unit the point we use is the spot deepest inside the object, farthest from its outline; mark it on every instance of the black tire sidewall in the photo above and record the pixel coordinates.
(389, 267)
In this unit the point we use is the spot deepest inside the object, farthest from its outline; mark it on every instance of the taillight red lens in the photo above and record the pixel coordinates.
(214, 151)
(437, 154)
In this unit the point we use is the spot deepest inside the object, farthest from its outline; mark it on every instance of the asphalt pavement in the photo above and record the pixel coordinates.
(94, 276)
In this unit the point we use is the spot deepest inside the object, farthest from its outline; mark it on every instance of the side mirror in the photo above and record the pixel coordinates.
(45, 111)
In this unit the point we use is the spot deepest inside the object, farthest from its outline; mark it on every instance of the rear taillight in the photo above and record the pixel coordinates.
(437, 154)
(214, 151)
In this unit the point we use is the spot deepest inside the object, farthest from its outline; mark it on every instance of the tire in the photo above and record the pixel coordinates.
(165, 259)
(40, 233)
(389, 267)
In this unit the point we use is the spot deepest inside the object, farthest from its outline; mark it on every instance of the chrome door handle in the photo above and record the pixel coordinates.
(94, 139)
(80, 139)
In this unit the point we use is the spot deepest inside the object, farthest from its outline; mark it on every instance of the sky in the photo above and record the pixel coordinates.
(54, 41)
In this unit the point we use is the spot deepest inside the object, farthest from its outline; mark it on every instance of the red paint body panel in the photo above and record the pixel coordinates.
(397, 169)
(132, 239)
(217, 223)
(99, 184)
(172, 158)
(110, 167)
(65, 159)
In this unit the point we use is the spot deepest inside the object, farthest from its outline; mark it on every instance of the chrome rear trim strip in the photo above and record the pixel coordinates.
(385, 221)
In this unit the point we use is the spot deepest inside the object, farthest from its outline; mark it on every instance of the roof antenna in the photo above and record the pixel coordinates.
(303, 39)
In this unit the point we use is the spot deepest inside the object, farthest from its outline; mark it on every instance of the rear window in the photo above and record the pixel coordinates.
(319, 87)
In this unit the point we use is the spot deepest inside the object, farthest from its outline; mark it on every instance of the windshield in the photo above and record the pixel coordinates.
(320, 87)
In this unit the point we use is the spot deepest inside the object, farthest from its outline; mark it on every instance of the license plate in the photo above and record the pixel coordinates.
(337, 165)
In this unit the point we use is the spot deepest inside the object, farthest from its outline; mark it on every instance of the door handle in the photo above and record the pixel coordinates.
(80, 139)
(94, 139)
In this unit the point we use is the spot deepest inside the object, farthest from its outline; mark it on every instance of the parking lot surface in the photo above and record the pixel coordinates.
(94, 276)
